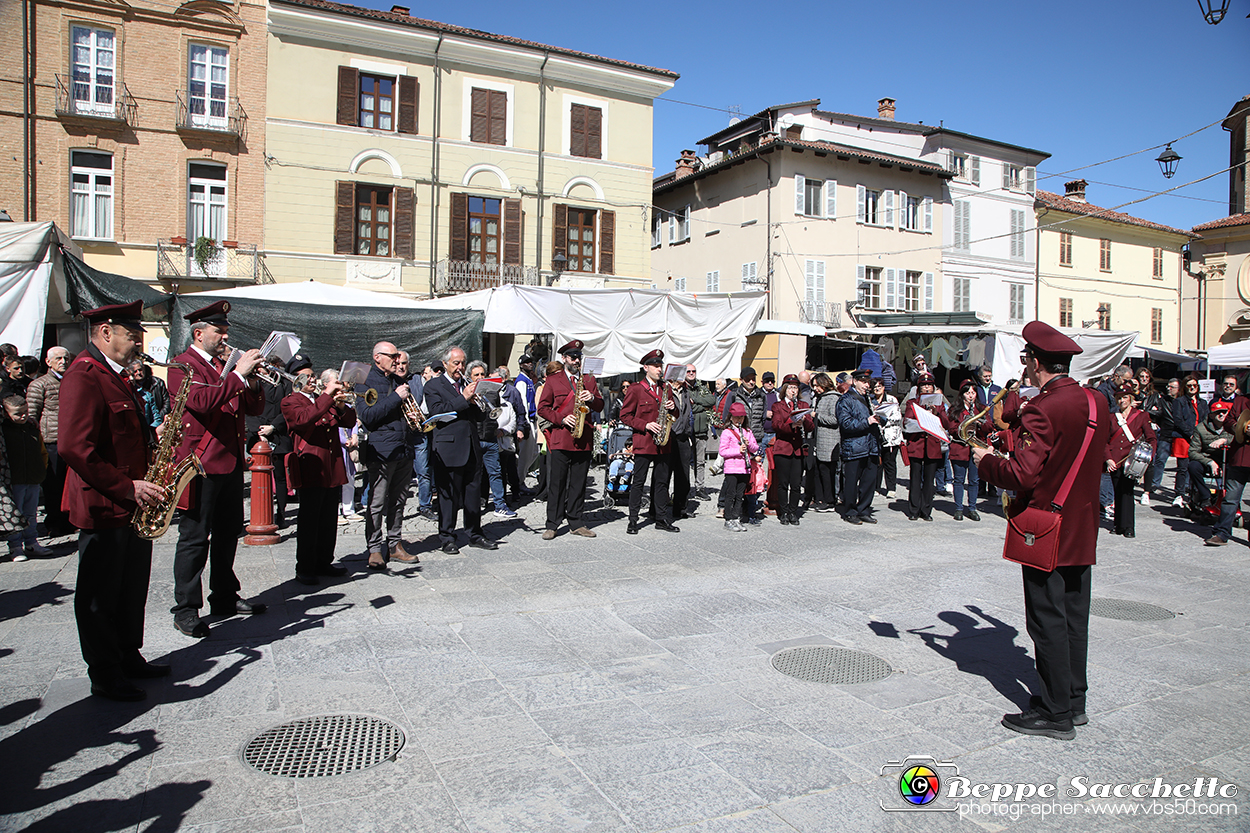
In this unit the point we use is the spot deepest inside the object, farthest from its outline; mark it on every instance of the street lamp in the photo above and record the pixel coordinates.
(1213, 10)
(558, 265)
(1167, 161)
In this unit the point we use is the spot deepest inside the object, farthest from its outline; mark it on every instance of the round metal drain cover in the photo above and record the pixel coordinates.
(317, 747)
(1128, 611)
(826, 664)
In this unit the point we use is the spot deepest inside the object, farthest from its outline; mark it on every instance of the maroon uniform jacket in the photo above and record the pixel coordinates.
(314, 427)
(556, 402)
(982, 428)
(642, 405)
(789, 441)
(1118, 445)
(212, 424)
(1239, 453)
(921, 445)
(103, 443)
(1052, 428)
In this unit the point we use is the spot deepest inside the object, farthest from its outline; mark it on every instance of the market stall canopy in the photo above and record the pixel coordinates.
(1229, 355)
(334, 323)
(30, 258)
(1181, 360)
(85, 287)
(621, 325)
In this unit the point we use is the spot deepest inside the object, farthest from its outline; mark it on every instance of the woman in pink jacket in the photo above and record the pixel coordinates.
(737, 447)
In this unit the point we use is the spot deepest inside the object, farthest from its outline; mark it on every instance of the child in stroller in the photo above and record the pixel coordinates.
(620, 469)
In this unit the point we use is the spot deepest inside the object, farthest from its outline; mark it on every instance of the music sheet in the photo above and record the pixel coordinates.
(930, 423)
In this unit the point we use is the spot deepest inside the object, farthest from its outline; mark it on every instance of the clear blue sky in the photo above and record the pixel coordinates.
(1085, 81)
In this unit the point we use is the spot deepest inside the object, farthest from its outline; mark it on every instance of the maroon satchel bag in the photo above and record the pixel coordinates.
(1033, 535)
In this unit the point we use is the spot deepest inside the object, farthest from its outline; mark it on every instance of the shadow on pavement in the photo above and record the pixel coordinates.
(990, 652)
(14, 604)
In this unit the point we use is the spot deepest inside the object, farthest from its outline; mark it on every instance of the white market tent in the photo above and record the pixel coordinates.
(621, 325)
(1229, 355)
(312, 292)
(29, 261)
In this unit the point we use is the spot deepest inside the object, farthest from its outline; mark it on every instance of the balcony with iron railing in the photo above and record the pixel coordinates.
(826, 314)
(74, 100)
(230, 262)
(453, 277)
(206, 115)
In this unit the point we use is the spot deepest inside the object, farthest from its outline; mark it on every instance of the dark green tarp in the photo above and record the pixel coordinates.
(88, 288)
(330, 335)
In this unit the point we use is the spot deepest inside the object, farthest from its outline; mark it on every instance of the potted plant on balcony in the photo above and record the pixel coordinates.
(205, 248)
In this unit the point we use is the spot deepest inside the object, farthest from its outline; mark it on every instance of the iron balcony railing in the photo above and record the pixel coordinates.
(827, 314)
(455, 276)
(73, 100)
(211, 115)
(227, 263)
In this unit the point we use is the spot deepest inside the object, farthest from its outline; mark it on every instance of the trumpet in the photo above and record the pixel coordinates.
(273, 375)
(414, 416)
(483, 405)
(344, 397)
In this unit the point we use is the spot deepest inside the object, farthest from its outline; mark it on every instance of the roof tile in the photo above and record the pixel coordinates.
(1088, 209)
(1224, 222)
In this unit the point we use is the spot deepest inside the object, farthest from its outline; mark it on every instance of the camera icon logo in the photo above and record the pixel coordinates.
(917, 784)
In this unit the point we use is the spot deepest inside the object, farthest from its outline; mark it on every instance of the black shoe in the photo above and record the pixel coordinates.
(1128, 533)
(959, 516)
(118, 690)
(666, 526)
(910, 516)
(868, 519)
(241, 607)
(307, 578)
(483, 544)
(926, 518)
(144, 670)
(450, 548)
(1080, 719)
(972, 515)
(1032, 723)
(332, 570)
(853, 519)
(428, 514)
(632, 529)
(794, 520)
(191, 625)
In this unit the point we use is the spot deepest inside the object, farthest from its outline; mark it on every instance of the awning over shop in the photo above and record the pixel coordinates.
(1230, 355)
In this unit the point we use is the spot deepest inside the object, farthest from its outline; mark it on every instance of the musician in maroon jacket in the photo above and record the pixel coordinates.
(1056, 603)
(792, 424)
(213, 429)
(641, 412)
(924, 451)
(568, 457)
(314, 420)
(105, 443)
(1128, 425)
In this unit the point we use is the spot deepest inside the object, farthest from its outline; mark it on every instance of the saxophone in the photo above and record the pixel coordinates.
(152, 522)
(580, 408)
(666, 420)
(967, 428)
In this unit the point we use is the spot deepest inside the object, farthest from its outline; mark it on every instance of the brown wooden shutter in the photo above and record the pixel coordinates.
(559, 230)
(577, 130)
(344, 217)
(607, 242)
(498, 118)
(594, 133)
(349, 97)
(512, 231)
(408, 99)
(459, 236)
(405, 223)
(479, 116)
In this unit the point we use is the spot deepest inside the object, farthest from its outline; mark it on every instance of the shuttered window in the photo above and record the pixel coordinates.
(488, 119)
(814, 278)
(963, 225)
(750, 274)
(929, 292)
(374, 220)
(961, 295)
(377, 102)
(1157, 269)
(1065, 312)
(655, 228)
(1104, 316)
(1065, 248)
(586, 237)
(483, 229)
(586, 131)
(1015, 305)
(1017, 233)
(870, 286)
(713, 281)
(1156, 326)
(1104, 255)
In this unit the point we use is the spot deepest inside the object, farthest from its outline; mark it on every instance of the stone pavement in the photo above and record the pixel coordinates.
(624, 683)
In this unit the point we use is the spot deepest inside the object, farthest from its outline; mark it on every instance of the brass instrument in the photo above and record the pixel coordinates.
(580, 409)
(412, 412)
(665, 420)
(273, 375)
(152, 522)
(344, 397)
(965, 431)
(1239, 427)
(484, 406)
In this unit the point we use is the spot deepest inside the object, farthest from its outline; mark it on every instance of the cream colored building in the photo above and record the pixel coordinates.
(422, 158)
(1102, 269)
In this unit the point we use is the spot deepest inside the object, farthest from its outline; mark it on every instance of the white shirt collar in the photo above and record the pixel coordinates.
(117, 368)
(204, 355)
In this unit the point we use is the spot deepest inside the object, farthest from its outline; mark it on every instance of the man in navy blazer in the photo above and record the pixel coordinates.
(457, 455)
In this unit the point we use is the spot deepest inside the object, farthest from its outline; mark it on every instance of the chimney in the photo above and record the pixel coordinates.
(1075, 190)
(400, 10)
(885, 109)
(685, 165)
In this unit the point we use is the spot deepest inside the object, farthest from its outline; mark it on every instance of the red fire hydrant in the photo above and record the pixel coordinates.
(261, 530)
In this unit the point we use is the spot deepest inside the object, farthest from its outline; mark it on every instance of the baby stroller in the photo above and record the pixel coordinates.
(620, 465)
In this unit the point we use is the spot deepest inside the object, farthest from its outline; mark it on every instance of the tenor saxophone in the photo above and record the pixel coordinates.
(580, 409)
(152, 522)
(666, 420)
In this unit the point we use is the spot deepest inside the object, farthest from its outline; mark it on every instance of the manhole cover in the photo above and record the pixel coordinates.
(826, 664)
(1128, 611)
(317, 747)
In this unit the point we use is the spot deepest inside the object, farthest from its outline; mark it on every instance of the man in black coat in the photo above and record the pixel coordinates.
(457, 455)
(271, 425)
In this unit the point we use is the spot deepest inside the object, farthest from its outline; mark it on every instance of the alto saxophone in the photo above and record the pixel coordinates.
(666, 420)
(152, 522)
(580, 408)
(967, 426)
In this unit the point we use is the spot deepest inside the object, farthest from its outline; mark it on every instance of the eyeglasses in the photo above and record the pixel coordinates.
(1191, 387)
(391, 356)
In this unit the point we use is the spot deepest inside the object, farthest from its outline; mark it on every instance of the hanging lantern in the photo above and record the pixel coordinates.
(1167, 161)
(1213, 11)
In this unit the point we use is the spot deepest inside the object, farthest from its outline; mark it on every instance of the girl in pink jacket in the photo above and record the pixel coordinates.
(737, 447)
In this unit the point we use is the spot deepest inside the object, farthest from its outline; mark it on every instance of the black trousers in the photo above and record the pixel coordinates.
(279, 487)
(659, 465)
(458, 489)
(1122, 488)
(734, 487)
(318, 527)
(566, 486)
(1056, 613)
(53, 488)
(887, 475)
(511, 476)
(810, 478)
(921, 487)
(208, 535)
(859, 478)
(682, 452)
(788, 480)
(114, 566)
(825, 474)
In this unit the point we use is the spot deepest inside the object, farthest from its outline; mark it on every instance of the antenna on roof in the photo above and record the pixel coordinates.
(735, 113)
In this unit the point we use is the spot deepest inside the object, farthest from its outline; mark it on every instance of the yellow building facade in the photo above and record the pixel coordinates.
(415, 157)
